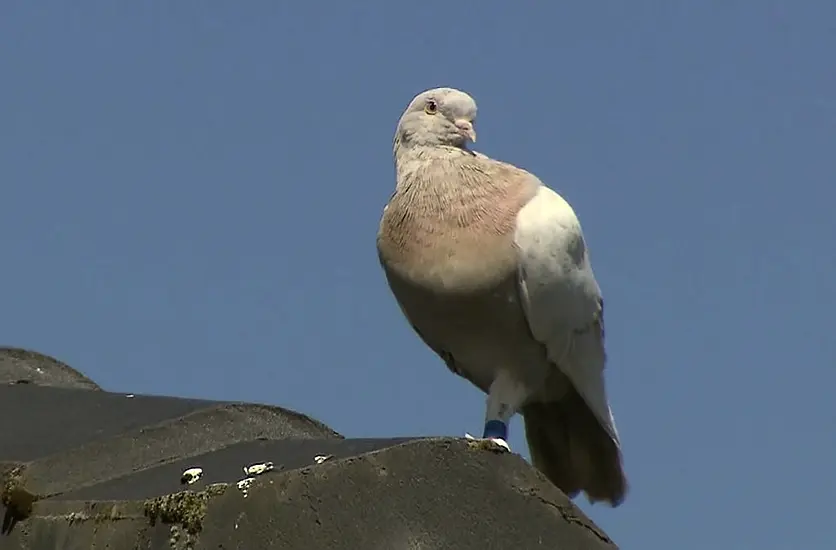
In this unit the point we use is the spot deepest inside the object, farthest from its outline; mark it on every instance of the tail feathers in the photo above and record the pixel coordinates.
(573, 450)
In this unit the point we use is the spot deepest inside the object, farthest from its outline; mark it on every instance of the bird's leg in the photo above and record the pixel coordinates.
(505, 396)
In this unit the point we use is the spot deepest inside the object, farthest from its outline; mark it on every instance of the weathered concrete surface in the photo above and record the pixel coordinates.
(432, 493)
(82, 469)
(21, 366)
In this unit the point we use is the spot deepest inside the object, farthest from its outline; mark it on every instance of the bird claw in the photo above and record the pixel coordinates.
(493, 444)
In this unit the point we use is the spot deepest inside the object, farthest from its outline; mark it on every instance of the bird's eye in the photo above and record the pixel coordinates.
(431, 107)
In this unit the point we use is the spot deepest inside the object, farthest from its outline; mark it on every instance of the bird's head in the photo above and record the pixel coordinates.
(441, 116)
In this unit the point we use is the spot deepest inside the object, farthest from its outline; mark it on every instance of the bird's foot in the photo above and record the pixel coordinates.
(493, 444)
(494, 438)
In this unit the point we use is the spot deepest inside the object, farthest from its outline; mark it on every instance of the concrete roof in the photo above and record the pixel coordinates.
(87, 468)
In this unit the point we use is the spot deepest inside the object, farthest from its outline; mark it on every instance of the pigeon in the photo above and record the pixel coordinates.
(490, 268)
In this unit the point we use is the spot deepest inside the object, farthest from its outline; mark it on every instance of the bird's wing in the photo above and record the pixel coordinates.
(561, 298)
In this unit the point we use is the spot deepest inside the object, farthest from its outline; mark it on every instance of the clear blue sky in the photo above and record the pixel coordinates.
(191, 190)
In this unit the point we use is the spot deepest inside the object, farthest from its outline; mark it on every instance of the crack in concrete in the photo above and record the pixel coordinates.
(568, 515)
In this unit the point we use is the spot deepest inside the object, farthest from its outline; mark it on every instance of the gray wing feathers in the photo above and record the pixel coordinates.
(562, 300)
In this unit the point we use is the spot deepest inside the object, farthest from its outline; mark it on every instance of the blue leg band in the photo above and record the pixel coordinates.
(495, 429)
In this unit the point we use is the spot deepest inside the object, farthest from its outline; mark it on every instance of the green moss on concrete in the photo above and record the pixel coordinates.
(18, 501)
(185, 509)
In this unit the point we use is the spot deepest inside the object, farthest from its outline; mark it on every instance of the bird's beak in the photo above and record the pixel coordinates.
(466, 129)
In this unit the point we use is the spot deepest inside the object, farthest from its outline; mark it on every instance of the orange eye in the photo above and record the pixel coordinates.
(431, 107)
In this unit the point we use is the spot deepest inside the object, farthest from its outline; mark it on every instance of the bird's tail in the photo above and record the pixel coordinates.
(573, 450)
